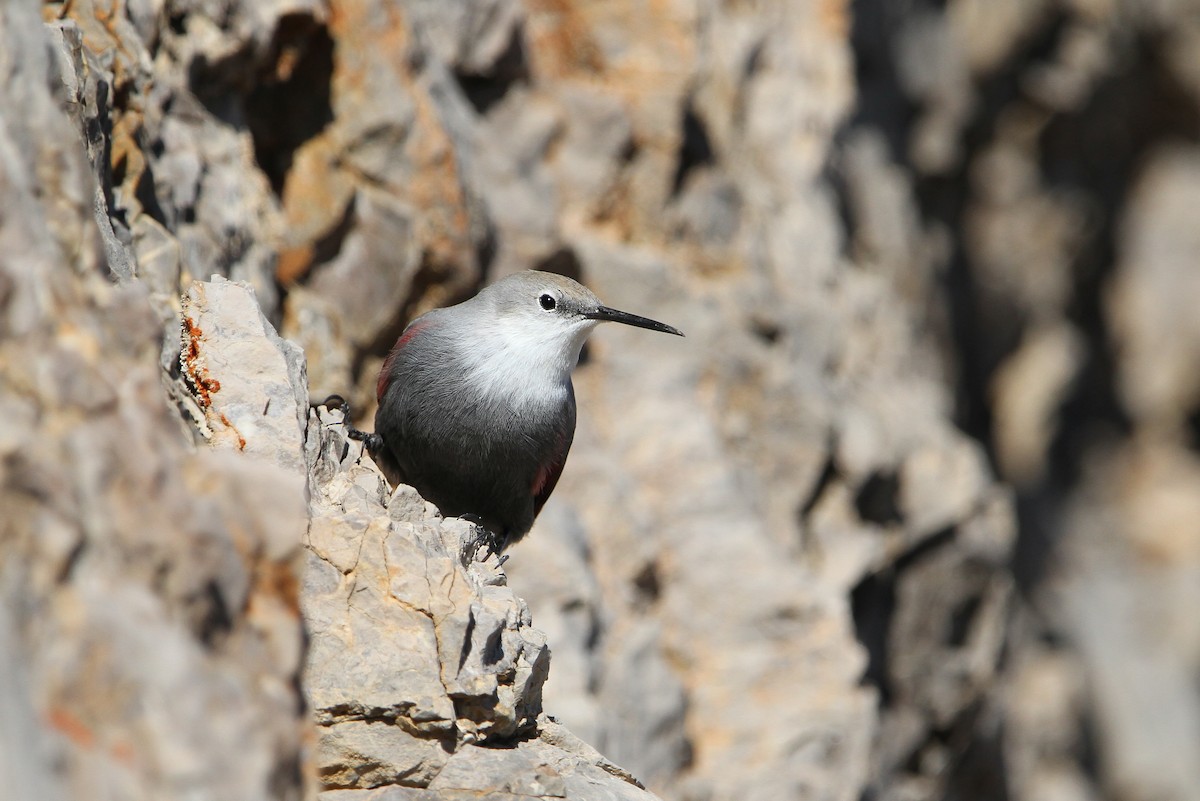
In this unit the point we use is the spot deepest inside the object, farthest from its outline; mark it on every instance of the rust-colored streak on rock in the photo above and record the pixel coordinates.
(197, 375)
(316, 194)
(124, 752)
(293, 263)
(437, 186)
(102, 37)
(127, 159)
(240, 439)
(439, 189)
(561, 42)
(278, 580)
(71, 726)
(320, 185)
(834, 17)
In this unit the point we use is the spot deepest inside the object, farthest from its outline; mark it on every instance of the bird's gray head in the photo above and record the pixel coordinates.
(552, 312)
(534, 324)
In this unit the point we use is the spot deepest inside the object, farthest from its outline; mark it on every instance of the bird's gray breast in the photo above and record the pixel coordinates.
(475, 435)
(482, 405)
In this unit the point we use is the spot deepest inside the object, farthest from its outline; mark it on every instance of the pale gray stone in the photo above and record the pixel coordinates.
(908, 243)
(148, 589)
(367, 754)
(1159, 338)
(420, 655)
(229, 350)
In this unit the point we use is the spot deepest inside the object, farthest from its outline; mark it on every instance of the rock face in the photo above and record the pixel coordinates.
(422, 662)
(150, 636)
(910, 513)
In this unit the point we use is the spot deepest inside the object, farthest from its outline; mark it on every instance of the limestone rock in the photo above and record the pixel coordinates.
(1063, 238)
(228, 352)
(912, 245)
(424, 670)
(150, 628)
(1158, 337)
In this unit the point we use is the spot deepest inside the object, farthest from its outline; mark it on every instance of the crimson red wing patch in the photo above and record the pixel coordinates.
(547, 477)
(385, 373)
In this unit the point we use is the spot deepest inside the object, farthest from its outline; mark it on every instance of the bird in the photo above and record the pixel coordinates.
(476, 406)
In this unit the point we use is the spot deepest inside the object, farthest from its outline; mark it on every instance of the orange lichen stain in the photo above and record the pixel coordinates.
(72, 727)
(123, 752)
(127, 159)
(277, 580)
(317, 196)
(241, 440)
(834, 17)
(197, 375)
(367, 42)
(561, 42)
(289, 59)
(293, 263)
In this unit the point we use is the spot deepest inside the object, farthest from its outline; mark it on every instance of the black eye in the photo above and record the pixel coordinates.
(547, 302)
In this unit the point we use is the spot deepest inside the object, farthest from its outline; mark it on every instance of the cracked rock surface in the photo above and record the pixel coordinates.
(910, 513)
(424, 669)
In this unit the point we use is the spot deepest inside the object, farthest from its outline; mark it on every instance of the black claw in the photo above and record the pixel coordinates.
(495, 542)
(373, 442)
(333, 402)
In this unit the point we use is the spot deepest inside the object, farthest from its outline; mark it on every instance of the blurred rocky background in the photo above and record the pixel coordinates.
(913, 512)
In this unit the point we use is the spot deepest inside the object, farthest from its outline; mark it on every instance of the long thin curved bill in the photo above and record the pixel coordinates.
(616, 316)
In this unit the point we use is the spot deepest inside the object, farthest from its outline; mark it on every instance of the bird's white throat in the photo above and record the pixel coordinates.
(523, 361)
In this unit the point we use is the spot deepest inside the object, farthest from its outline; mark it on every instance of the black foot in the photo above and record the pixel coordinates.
(373, 441)
(495, 542)
(335, 402)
